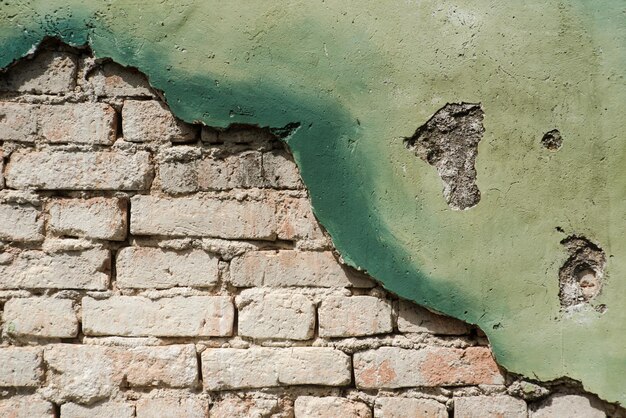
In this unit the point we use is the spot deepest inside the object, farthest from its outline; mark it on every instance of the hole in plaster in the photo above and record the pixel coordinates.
(449, 142)
(552, 140)
(581, 276)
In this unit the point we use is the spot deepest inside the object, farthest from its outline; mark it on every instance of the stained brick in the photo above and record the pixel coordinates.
(26, 407)
(103, 410)
(330, 407)
(49, 72)
(18, 121)
(172, 407)
(490, 406)
(413, 318)
(409, 408)
(83, 123)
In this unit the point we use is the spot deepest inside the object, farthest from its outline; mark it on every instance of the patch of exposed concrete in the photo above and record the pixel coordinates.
(581, 276)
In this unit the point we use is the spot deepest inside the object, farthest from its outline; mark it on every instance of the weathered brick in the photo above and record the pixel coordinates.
(34, 269)
(1, 168)
(18, 121)
(291, 268)
(243, 170)
(113, 80)
(296, 220)
(20, 223)
(232, 368)
(171, 366)
(280, 171)
(244, 407)
(83, 123)
(413, 318)
(99, 218)
(392, 367)
(341, 316)
(409, 408)
(178, 169)
(168, 317)
(330, 407)
(103, 410)
(61, 170)
(21, 367)
(490, 406)
(156, 268)
(560, 405)
(206, 217)
(40, 317)
(172, 407)
(48, 72)
(275, 315)
(150, 120)
(26, 407)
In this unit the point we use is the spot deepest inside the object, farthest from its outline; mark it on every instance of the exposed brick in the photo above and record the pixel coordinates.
(113, 80)
(330, 407)
(21, 367)
(490, 407)
(232, 368)
(49, 72)
(280, 171)
(168, 317)
(296, 220)
(244, 407)
(26, 407)
(392, 367)
(34, 269)
(341, 316)
(99, 218)
(414, 318)
(83, 123)
(178, 169)
(18, 121)
(242, 170)
(560, 405)
(61, 170)
(275, 315)
(172, 407)
(103, 410)
(409, 408)
(291, 268)
(20, 223)
(156, 268)
(205, 217)
(150, 120)
(40, 317)
(1, 168)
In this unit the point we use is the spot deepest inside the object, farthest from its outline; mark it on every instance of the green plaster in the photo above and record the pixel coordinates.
(359, 77)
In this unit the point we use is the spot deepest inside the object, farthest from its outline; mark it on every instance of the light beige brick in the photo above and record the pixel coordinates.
(21, 367)
(34, 269)
(413, 318)
(172, 408)
(296, 220)
(341, 316)
(330, 407)
(99, 218)
(61, 170)
(20, 223)
(173, 366)
(243, 170)
(205, 217)
(40, 317)
(83, 123)
(490, 407)
(114, 80)
(168, 317)
(392, 367)
(291, 268)
(409, 408)
(236, 406)
(150, 120)
(560, 405)
(280, 172)
(178, 169)
(275, 315)
(26, 407)
(232, 368)
(156, 268)
(48, 72)
(103, 410)
(1, 168)
(18, 122)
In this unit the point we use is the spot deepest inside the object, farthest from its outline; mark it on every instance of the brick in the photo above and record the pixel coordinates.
(98, 218)
(34, 269)
(172, 408)
(156, 268)
(490, 407)
(560, 405)
(21, 367)
(296, 220)
(291, 268)
(168, 317)
(103, 410)
(40, 317)
(341, 316)
(114, 80)
(233, 368)
(18, 122)
(409, 408)
(243, 170)
(244, 407)
(88, 373)
(150, 120)
(20, 223)
(83, 123)
(275, 315)
(280, 172)
(202, 217)
(330, 407)
(178, 169)
(26, 407)
(1, 168)
(414, 318)
(49, 72)
(392, 367)
(62, 170)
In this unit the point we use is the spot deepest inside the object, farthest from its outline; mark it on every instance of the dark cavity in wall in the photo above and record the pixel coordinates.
(581, 276)
(449, 142)
(552, 140)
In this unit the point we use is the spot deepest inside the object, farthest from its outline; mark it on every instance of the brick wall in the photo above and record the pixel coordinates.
(153, 268)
